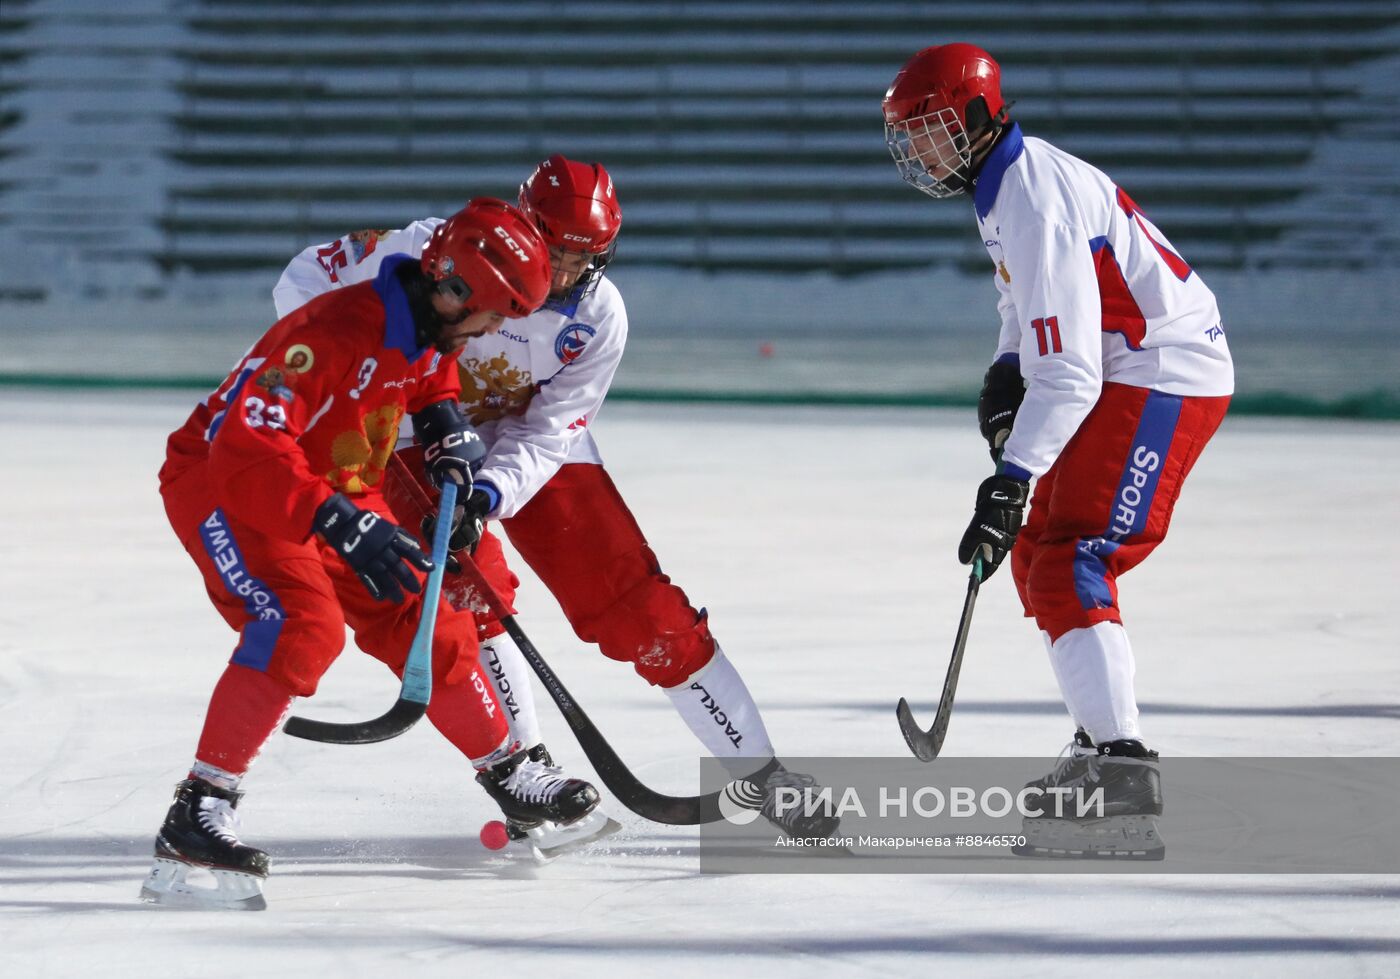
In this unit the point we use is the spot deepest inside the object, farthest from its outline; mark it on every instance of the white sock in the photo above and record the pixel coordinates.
(509, 674)
(717, 707)
(1055, 666)
(215, 776)
(502, 751)
(1095, 669)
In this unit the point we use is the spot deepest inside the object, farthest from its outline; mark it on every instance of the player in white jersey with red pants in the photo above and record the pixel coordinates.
(533, 390)
(1111, 374)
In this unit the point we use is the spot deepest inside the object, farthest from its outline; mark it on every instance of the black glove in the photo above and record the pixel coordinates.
(376, 549)
(468, 524)
(1000, 502)
(1003, 390)
(451, 448)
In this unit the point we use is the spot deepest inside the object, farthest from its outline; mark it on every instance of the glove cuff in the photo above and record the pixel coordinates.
(493, 495)
(438, 418)
(1014, 471)
(334, 515)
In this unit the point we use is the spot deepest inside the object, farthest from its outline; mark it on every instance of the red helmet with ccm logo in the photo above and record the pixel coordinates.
(574, 207)
(490, 256)
(941, 102)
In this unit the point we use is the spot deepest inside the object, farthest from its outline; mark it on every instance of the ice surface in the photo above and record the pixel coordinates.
(821, 541)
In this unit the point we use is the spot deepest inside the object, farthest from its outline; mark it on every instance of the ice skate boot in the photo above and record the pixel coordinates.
(796, 821)
(545, 809)
(1110, 809)
(1072, 764)
(530, 792)
(201, 833)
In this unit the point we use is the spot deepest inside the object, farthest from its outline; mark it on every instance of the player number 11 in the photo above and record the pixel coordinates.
(1047, 334)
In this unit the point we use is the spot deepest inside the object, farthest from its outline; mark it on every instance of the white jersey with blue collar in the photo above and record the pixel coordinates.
(1090, 291)
(531, 390)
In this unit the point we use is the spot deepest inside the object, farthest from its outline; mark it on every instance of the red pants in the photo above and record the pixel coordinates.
(1106, 503)
(580, 538)
(290, 602)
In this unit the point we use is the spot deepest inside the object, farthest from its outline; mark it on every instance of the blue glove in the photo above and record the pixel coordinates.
(451, 448)
(376, 549)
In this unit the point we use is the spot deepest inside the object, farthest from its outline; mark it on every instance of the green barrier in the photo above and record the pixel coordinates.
(1377, 405)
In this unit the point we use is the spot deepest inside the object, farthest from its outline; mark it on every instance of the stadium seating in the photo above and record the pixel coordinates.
(742, 136)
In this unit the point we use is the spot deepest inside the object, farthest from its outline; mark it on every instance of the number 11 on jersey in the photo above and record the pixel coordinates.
(1047, 334)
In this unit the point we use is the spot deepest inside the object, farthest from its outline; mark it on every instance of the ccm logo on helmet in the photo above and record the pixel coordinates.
(512, 244)
(583, 238)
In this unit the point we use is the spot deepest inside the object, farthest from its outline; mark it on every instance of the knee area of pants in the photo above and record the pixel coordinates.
(299, 678)
(671, 660)
(315, 632)
(305, 650)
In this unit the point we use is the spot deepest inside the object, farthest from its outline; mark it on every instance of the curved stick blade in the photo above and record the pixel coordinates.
(398, 719)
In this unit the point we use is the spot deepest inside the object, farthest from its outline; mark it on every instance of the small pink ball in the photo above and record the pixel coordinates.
(494, 835)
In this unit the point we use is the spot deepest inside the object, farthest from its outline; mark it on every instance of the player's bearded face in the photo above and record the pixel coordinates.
(459, 324)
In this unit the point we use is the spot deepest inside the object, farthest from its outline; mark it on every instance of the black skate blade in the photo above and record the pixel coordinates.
(167, 886)
(547, 842)
(1115, 838)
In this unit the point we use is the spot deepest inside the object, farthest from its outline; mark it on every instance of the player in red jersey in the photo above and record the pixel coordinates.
(274, 487)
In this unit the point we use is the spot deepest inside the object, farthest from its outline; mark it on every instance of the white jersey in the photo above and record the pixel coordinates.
(1090, 291)
(531, 390)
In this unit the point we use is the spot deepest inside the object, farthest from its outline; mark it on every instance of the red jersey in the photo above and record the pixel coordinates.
(313, 408)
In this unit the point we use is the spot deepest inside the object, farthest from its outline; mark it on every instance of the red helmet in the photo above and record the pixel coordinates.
(942, 101)
(490, 256)
(574, 207)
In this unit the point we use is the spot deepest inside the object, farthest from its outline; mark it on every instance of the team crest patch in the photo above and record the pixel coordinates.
(274, 381)
(569, 345)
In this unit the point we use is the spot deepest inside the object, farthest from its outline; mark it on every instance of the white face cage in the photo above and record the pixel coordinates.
(586, 283)
(931, 152)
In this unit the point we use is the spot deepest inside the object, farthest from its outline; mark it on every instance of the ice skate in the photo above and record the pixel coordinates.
(1073, 763)
(1108, 808)
(201, 834)
(542, 806)
(530, 792)
(795, 821)
(550, 840)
